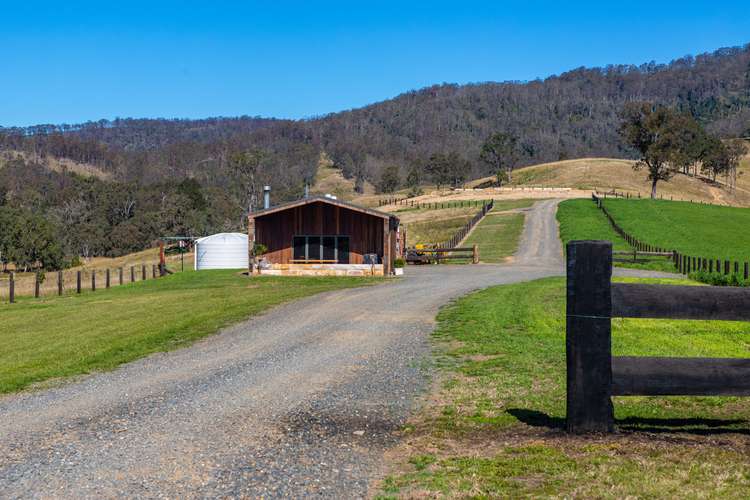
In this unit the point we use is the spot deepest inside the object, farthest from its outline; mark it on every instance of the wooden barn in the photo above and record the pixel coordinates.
(321, 235)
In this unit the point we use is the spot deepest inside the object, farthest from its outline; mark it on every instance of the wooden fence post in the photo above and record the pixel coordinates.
(78, 282)
(59, 282)
(143, 272)
(12, 287)
(475, 254)
(132, 274)
(36, 284)
(120, 276)
(106, 279)
(93, 280)
(588, 336)
(153, 270)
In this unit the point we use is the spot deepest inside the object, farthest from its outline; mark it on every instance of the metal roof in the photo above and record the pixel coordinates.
(322, 199)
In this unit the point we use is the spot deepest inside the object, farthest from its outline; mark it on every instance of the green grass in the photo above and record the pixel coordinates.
(435, 230)
(691, 228)
(63, 336)
(495, 428)
(497, 237)
(580, 219)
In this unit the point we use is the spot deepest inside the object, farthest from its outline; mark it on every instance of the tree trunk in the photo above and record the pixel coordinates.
(653, 188)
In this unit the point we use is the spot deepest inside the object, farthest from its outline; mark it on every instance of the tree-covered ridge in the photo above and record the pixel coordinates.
(49, 218)
(571, 115)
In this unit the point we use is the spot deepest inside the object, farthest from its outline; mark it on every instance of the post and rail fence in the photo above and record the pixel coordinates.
(448, 250)
(594, 376)
(684, 264)
(433, 205)
(40, 283)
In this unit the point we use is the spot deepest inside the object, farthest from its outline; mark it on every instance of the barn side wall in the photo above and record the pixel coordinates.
(276, 230)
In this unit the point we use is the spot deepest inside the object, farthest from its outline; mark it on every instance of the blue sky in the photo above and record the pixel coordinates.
(77, 61)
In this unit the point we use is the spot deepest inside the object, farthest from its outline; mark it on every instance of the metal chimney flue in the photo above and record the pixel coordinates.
(266, 196)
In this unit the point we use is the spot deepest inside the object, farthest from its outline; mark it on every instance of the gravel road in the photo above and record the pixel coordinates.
(302, 400)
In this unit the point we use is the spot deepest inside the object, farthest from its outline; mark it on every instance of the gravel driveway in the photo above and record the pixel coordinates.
(302, 400)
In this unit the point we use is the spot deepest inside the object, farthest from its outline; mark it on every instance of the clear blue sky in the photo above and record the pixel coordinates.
(78, 61)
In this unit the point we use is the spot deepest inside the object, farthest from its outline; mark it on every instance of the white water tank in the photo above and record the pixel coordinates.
(221, 251)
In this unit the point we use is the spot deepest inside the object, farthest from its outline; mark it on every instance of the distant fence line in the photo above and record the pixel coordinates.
(436, 205)
(637, 195)
(684, 263)
(51, 283)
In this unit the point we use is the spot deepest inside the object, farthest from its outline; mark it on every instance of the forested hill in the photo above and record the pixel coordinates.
(565, 116)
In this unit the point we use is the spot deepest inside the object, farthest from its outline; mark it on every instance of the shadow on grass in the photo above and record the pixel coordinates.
(698, 426)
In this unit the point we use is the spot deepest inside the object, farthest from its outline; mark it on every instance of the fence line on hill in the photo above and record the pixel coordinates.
(461, 233)
(594, 375)
(434, 205)
(685, 264)
(637, 195)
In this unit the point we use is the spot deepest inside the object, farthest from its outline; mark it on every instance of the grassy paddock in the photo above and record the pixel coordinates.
(581, 220)
(57, 337)
(691, 228)
(497, 236)
(494, 427)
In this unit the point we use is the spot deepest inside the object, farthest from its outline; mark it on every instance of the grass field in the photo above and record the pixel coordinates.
(693, 229)
(56, 337)
(492, 428)
(497, 236)
(582, 220)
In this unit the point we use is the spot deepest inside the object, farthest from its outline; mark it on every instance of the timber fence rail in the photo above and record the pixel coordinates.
(436, 205)
(594, 375)
(684, 263)
(461, 233)
(74, 281)
(448, 250)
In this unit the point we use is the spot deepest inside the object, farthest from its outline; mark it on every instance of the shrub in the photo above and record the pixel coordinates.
(719, 279)
(399, 262)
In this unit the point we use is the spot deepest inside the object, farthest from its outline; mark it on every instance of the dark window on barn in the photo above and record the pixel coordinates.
(313, 248)
(342, 249)
(300, 248)
(329, 248)
(316, 248)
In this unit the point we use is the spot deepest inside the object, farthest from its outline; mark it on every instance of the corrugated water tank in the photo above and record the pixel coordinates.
(221, 251)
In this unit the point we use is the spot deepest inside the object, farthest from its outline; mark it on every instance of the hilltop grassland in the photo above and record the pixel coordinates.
(606, 174)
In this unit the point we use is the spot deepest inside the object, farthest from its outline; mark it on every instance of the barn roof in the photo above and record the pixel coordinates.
(323, 199)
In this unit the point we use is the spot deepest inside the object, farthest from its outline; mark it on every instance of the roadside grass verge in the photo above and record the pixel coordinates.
(497, 236)
(55, 337)
(493, 425)
(580, 219)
